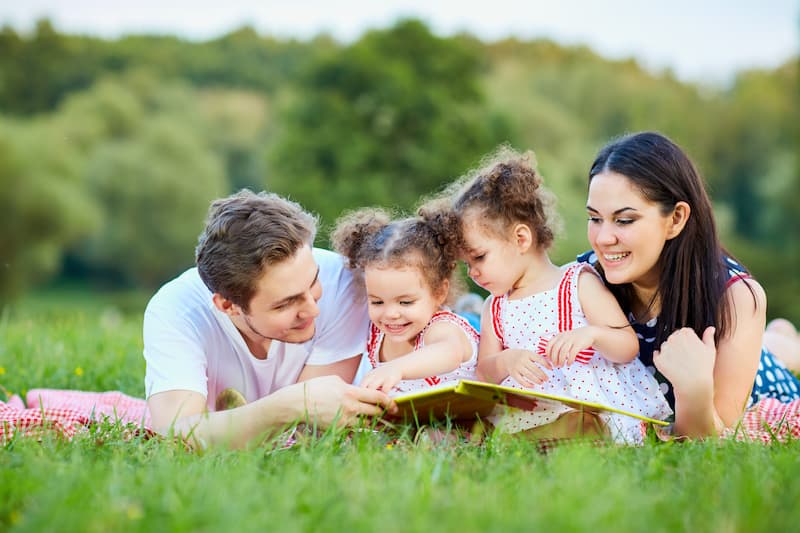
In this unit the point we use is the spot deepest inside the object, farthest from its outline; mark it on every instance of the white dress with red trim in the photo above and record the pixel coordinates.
(465, 370)
(528, 323)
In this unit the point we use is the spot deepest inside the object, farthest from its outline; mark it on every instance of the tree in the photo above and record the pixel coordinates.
(151, 170)
(42, 204)
(388, 119)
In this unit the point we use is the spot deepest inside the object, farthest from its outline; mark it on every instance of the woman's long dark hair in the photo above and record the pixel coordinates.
(693, 276)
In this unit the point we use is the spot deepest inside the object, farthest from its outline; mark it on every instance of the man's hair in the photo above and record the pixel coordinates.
(246, 233)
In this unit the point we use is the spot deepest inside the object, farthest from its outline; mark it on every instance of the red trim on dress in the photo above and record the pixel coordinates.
(739, 276)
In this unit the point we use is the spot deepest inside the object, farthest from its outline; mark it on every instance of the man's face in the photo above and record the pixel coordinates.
(284, 305)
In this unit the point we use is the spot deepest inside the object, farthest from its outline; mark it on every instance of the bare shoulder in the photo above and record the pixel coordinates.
(590, 280)
(747, 296)
(443, 330)
(591, 289)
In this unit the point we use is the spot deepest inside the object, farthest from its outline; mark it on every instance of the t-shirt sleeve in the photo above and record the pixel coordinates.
(173, 351)
(342, 324)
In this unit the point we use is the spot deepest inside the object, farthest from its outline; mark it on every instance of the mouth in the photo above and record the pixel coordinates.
(615, 257)
(304, 325)
(395, 328)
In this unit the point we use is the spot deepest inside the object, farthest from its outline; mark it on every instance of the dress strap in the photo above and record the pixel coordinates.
(445, 315)
(497, 325)
(373, 341)
(567, 294)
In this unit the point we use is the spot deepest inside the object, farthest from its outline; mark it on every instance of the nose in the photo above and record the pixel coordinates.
(605, 234)
(310, 308)
(472, 271)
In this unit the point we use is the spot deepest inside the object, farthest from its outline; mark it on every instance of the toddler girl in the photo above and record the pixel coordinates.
(408, 269)
(546, 328)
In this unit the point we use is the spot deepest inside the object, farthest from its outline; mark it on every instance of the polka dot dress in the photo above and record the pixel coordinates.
(773, 379)
(464, 371)
(529, 322)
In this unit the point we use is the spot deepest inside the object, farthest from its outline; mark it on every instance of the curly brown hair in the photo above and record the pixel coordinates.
(505, 190)
(371, 237)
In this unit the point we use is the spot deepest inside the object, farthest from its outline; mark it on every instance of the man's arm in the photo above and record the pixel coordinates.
(345, 369)
(322, 401)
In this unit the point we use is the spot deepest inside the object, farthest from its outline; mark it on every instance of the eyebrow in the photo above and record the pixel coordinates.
(400, 297)
(298, 296)
(617, 212)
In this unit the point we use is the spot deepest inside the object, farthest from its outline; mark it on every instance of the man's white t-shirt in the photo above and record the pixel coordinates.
(190, 345)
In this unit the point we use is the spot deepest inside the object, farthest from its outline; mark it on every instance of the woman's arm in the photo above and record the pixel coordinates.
(711, 383)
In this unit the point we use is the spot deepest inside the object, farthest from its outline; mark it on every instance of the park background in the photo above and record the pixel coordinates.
(119, 124)
(111, 147)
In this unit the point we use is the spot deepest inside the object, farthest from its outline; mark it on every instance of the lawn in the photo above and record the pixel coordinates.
(105, 481)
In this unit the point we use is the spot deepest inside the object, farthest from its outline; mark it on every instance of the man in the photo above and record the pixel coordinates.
(263, 314)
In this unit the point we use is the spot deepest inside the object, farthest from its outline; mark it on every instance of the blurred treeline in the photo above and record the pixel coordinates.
(110, 150)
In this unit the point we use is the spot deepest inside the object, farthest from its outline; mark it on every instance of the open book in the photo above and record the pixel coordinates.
(465, 399)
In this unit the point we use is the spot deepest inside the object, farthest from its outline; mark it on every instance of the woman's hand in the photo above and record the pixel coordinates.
(688, 361)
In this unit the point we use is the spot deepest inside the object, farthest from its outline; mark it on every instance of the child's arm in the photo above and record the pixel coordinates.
(608, 331)
(495, 364)
(446, 347)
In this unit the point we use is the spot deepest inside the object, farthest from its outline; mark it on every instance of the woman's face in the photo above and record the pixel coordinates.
(626, 231)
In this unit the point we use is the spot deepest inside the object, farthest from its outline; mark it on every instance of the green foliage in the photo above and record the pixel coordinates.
(387, 119)
(38, 71)
(151, 172)
(384, 121)
(42, 203)
(154, 192)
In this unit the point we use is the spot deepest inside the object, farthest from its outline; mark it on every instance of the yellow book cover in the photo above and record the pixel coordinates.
(467, 399)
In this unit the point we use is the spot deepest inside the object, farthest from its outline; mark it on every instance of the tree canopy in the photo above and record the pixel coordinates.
(110, 150)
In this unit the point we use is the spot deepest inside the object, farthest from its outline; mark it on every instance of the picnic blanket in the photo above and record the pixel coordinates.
(67, 412)
(769, 421)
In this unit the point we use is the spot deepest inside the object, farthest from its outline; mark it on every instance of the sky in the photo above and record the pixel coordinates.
(700, 40)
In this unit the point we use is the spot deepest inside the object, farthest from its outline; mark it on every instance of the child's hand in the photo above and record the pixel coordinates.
(562, 349)
(526, 366)
(383, 378)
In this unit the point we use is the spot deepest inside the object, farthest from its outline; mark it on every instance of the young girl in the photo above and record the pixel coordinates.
(546, 328)
(408, 268)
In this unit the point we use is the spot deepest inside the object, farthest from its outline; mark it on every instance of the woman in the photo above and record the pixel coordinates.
(700, 317)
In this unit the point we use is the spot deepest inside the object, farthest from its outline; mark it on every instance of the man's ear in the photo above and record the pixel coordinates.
(523, 237)
(225, 305)
(678, 219)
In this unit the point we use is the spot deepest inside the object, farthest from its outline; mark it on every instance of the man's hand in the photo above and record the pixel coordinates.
(328, 400)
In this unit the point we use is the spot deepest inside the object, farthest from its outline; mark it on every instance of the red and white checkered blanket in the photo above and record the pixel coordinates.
(66, 412)
(768, 421)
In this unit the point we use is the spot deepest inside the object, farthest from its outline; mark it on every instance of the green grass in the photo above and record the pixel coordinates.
(103, 481)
